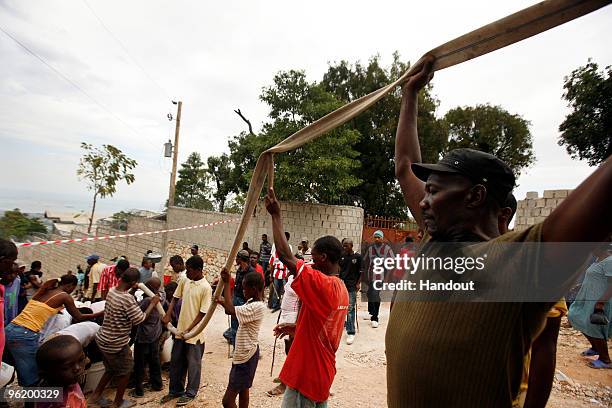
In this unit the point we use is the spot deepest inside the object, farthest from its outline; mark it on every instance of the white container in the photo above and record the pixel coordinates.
(166, 350)
(93, 376)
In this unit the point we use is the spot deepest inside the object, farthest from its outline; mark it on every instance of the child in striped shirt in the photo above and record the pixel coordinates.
(121, 312)
(246, 352)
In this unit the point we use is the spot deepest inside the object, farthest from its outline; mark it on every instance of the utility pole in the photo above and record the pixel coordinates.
(175, 155)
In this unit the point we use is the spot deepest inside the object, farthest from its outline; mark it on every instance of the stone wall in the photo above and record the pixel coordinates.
(300, 220)
(534, 209)
(57, 259)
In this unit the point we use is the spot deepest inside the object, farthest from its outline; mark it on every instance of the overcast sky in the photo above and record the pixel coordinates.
(216, 57)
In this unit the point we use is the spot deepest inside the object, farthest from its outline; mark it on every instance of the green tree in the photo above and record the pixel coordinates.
(379, 192)
(16, 224)
(220, 170)
(321, 171)
(586, 131)
(192, 187)
(493, 130)
(102, 168)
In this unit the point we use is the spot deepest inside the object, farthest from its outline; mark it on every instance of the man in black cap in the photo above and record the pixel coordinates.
(471, 354)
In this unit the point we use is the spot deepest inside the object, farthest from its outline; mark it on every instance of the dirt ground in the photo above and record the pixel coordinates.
(365, 358)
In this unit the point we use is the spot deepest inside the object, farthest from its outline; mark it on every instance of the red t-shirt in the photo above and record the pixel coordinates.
(259, 268)
(310, 366)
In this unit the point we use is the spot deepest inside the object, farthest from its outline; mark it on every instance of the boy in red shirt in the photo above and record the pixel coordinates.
(254, 260)
(310, 367)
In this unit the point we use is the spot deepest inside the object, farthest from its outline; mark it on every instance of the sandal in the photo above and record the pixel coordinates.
(102, 402)
(127, 404)
(276, 391)
(589, 352)
(600, 364)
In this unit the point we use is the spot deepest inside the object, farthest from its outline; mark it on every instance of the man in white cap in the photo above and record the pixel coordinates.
(306, 252)
(379, 249)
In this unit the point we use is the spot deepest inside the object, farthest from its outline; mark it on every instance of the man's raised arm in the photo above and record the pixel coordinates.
(584, 216)
(407, 148)
(280, 241)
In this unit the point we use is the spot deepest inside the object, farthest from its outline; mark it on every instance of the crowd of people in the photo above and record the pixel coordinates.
(439, 353)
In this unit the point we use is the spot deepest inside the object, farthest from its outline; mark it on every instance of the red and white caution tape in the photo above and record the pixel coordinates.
(136, 234)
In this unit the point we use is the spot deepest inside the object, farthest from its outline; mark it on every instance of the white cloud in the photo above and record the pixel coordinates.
(218, 57)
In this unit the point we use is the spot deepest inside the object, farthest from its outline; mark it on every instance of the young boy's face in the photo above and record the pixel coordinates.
(70, 365)
(177, 266)
(249, 292)
(193, 273)
(154, 285)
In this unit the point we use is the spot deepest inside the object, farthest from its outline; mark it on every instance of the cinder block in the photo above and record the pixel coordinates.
(551, 203)
(540, 203)
(546, 211)
(532, 194)
(531, 204)
(561, 193)
(530, 220)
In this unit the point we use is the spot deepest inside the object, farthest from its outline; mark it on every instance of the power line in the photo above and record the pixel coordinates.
(71, 82)
(124, 48)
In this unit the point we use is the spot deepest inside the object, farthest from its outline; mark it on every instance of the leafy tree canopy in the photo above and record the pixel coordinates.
(16, 224)
(102, 168)
(192, 187)
(586, 132)
(493, 130)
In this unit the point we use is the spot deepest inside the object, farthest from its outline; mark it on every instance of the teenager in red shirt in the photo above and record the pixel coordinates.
(254, 260)
(310, 367)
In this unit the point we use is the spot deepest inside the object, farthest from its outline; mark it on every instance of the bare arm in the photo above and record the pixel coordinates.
(152, 305)
(282, 246)
(407, 148)
(584, 216)
(196, 321)
(227, 293)
(74, 312)
(167, 317)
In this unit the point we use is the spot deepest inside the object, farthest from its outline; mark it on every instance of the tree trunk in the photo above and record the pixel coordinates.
(93, 210)
(222, 205)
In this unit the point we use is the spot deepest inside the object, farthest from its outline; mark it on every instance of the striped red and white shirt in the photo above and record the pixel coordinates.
(279, 270)
(108, 279)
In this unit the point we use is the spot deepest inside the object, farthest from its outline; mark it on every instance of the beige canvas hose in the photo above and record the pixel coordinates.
(508, 30)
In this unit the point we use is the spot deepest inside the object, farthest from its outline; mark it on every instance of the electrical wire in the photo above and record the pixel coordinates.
(71, 82)
(124, 48)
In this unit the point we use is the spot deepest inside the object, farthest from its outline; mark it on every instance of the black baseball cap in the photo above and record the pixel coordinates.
(480, 167)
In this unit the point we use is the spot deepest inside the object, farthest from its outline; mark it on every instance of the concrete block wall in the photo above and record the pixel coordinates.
(535, 208)
(300, 220)
(57, 259)
(311, 221)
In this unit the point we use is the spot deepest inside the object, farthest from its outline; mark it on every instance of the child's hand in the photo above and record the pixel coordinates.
(165, 320)
(155, 299)
(225, 276)
(284, 329)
